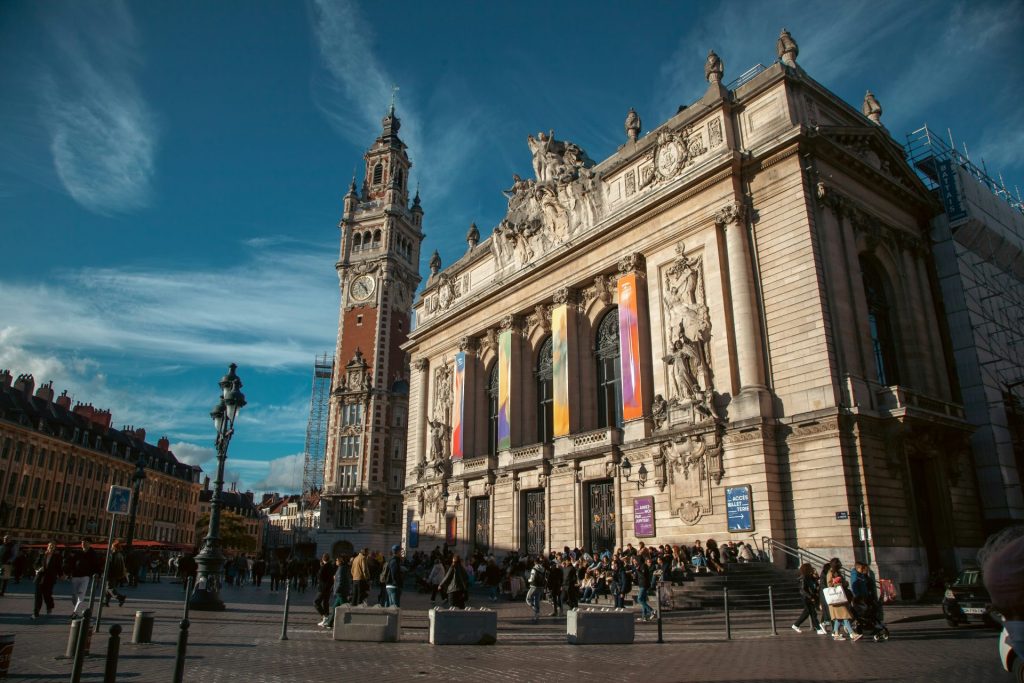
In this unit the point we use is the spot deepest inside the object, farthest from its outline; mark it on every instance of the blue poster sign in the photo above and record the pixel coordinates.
(414, 534)
(949, 189)
(119, 500)
(738, 510)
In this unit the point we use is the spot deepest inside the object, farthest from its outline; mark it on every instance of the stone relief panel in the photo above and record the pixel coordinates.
(563, 200)
(687, 330)
(673, 153)
(690, 466)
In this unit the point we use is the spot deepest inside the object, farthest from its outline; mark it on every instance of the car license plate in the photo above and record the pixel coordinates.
(974, 610)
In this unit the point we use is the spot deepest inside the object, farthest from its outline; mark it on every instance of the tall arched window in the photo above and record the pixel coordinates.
(492, 410)
(378, 174)
(879, 311)
(609, 385)
(545, 398)
(399, 177)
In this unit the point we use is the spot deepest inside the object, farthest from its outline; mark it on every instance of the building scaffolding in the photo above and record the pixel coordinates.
(316, 428)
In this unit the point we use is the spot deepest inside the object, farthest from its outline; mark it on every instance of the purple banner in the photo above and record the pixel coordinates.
(643, 517)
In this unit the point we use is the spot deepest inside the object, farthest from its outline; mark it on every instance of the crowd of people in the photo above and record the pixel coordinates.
(829, 597)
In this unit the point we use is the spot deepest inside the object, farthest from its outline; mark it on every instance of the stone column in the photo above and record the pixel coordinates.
(636, 372)
(419, 430)
(753, 398)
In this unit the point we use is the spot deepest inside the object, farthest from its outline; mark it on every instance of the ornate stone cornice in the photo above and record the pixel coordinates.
(513, 323)
(541, 317)
(469, 345)
(421, 364)
(601, 289)
(565, 295)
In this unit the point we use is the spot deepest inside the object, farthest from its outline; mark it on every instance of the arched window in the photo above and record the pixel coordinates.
(492, 410)
(357, 242)
(376, 238)
(378, 174)
(545, 398)
(366, 240)
(609, 385)
(879, 322)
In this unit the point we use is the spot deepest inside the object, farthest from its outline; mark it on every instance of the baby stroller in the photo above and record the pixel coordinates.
(868, 617)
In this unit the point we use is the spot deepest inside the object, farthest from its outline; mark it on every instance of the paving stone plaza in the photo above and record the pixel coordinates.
(243, 644)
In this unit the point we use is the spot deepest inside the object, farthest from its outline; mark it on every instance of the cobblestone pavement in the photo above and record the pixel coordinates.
(242, 644)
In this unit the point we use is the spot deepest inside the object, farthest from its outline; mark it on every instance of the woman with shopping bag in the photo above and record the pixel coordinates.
(837, 595)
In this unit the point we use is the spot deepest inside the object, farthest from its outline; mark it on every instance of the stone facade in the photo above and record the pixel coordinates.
(743, 297)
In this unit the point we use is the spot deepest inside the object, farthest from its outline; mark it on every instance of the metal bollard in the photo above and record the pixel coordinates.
(771, 608)
(179, 661)
(728, 624)
(143, 630)
(287, 604)
(82, 646)
(113, 651)
(658, 598)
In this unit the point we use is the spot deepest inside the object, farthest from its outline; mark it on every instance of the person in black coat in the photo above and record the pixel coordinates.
(809, 588)
(570, 584)
(555, 587)
(48, 569)
(455, 583)
(324, 585)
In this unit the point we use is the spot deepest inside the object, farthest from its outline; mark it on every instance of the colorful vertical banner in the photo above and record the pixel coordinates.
(459, 406)
(560, 369)
(629, 348)
(451, 531)
(504, 391)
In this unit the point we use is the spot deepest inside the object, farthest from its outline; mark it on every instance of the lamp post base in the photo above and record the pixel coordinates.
(206, 600)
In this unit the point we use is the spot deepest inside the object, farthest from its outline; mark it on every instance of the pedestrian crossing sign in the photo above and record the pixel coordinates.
(119, 499)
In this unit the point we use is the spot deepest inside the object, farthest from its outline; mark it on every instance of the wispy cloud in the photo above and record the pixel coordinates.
(102, 133)
(275, 309)
(443, 131)
(282, 474)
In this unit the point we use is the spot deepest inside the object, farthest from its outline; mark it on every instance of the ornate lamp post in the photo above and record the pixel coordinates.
(210, 559)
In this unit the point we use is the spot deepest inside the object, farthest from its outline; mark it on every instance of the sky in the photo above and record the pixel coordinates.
(172, 172)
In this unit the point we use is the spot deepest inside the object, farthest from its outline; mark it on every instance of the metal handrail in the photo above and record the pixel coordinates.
(799, 553)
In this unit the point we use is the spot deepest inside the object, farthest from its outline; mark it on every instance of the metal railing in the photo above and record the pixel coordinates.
(771, 545)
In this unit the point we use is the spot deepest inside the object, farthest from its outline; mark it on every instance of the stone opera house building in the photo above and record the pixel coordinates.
(729, 328)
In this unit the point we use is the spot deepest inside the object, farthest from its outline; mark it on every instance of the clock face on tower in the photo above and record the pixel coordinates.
(362, 288)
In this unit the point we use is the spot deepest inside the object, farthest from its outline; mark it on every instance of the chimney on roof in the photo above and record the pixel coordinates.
(102, 418)
(64, 401)
(85, 410)
(251, 496)
(25, 383)
(163, 444)
(206, 483)
(233, 486)
(140, 434)
(5, 378)
(45, 392)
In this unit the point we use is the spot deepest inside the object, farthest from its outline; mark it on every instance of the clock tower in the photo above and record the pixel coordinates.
(378, 272)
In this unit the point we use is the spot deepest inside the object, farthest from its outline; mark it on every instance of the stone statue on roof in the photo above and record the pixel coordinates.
(787, 49)
(713, 68)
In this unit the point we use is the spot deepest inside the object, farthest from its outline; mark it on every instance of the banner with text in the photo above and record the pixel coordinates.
(459, 406)
(629, 348)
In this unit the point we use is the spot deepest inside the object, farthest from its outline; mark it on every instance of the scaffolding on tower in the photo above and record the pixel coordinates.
(316, 444)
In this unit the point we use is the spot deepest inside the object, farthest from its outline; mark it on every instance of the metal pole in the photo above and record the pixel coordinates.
(83, 634)
(864, 527)
(188, 595)
(113, 650)
(179, 661)
(106, 570)
(658, 598)
(771, 608)
(728, 624)
(92, 591)
(287, 604)
(133, 507)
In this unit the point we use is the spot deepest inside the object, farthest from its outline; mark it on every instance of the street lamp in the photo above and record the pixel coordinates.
(133, 508)
(210, 559)
(641, 474)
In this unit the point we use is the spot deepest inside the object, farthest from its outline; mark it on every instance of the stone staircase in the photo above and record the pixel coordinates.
(748, 589)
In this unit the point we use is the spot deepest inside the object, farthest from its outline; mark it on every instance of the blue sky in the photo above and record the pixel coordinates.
(171, 173)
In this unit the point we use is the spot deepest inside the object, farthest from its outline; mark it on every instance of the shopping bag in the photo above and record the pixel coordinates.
(835, 595)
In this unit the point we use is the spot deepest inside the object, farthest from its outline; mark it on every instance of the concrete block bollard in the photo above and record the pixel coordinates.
(367, 624)
(463, 627)
(599, 627)
(143, 631)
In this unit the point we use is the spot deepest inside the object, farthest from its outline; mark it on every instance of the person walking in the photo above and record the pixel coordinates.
(455, 583)
(259, 568)
(570, 584)
(115, 573)
(188, 568)
(645, 581)
(434, 578)
(825, 617)
(324, 586)
(360, 578)
(83, 565)
(342, 587)
(492, 578)
(808, 582)
(555, 588)
(537, 581)
(275, 573)
(8, 551)
(621, 584)
(47, 570)
(840, 611)
(392, 577)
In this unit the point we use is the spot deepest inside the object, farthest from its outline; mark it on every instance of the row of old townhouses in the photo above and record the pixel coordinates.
(731, 327)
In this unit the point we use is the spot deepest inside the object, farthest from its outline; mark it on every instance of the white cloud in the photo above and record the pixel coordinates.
(273, 310)
(283, 474)
(102, 133)
(443, 133)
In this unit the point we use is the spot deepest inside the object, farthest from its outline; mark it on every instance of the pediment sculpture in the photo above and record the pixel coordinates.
(563, 200)
(690, 467)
